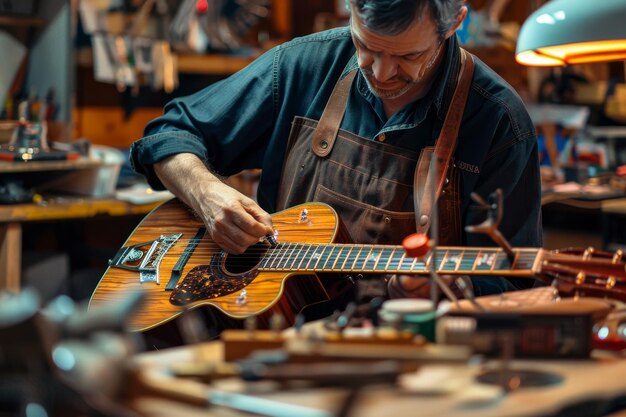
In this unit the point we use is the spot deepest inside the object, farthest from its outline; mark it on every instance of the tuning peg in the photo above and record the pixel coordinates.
(588, 253)
(617, 256)
(416, 245)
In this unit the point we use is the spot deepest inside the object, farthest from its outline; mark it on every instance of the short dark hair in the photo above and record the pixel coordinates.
(392, 17)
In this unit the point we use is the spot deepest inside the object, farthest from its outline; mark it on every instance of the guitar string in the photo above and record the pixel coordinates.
(253, 251)
(280, 257)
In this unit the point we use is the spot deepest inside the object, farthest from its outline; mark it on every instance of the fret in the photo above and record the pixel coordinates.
(306, 258)
(338, 259)
(380, 256)
(418, 265)
(267, 257)
(275, 254)
(296, 257)
(413, 263)
(372, 258)
(392, 250)
(468, 260)
(395, 260)
(525, 259)
(485, 260)
(318, 255)
(384, 258)
(331, 257)
(405, 262)
(451, 260)
(298, 261)
(285, 255)
(502, 262)
(409, 264)
(439, 257)
(347, 256)
(428, 262)
(461, 256)
(279, 253)
(354, 257)
(362, 258)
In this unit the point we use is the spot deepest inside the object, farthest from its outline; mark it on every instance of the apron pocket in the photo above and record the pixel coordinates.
(366, 223)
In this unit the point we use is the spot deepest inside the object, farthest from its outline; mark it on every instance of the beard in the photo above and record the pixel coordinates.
(385, 94)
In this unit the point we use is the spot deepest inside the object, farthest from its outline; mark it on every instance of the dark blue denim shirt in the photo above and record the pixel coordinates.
(244, 122)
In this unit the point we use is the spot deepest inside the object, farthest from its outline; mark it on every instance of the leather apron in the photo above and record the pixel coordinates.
(369, 183)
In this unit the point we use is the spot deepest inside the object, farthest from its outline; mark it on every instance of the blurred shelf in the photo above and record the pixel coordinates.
(32, 166)
(21, 21)
(63, 208)
(213, 64)
(208, 64)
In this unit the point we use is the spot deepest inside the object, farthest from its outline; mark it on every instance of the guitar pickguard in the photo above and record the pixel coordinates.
(204, 282)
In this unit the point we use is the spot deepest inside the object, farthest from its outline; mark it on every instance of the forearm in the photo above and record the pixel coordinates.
(234, 221)
(186, 176)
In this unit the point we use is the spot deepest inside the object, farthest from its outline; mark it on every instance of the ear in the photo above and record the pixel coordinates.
(459, 19)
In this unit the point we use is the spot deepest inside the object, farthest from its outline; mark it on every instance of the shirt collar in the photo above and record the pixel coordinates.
(352, 64)
(444, 86)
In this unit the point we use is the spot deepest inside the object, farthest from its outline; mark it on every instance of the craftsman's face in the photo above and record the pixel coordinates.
(393, 65)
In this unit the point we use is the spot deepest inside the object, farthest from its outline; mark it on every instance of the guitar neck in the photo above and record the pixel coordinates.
(382, 259)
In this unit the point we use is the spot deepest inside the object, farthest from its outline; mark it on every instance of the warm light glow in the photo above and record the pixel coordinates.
(533, 59)
(603, 57)
(577, 53)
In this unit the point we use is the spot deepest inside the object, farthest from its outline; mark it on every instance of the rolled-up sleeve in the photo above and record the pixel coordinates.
(224, 124)
(153, 148)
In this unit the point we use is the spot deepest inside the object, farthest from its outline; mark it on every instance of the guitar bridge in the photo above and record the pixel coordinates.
(145, 258)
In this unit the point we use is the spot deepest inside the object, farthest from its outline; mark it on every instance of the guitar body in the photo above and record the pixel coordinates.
(230, 284)
(173, 261)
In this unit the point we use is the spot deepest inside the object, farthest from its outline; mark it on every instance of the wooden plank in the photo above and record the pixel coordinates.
(208, 64)
(212, 64)
(614, 206)
(281, 18)
(21, 21)
(108, 126)
(39, 166)
(10, 256)
(66, 208)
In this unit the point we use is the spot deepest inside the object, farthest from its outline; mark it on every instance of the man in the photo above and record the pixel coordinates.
(394, 71)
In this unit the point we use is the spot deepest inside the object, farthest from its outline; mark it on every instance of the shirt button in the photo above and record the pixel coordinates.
(447, 181)
(381, 137)
(387, 220)
(423, 220)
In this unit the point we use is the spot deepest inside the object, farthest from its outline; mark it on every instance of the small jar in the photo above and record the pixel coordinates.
(410, 314)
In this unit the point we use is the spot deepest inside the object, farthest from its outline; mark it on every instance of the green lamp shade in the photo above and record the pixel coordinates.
(564, 32)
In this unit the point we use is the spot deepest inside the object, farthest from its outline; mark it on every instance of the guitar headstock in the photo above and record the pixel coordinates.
(577, 271)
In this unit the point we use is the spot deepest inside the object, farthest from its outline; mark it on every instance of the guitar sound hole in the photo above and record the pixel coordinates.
(239, 264)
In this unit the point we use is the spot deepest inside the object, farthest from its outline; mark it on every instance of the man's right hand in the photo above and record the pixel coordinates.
(233, 220)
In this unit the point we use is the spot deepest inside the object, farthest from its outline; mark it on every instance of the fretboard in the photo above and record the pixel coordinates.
(306, 257)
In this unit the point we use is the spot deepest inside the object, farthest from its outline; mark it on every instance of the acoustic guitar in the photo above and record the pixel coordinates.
(171, 257)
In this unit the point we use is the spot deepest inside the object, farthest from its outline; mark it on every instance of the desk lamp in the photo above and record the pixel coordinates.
(565, 32)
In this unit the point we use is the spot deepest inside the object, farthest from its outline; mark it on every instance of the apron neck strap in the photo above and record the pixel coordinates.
(328, 126)
(446, 143)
